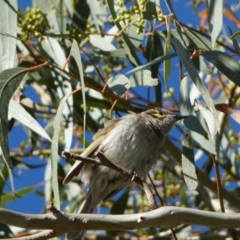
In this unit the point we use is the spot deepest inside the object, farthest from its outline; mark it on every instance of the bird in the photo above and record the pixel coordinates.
(132, 142)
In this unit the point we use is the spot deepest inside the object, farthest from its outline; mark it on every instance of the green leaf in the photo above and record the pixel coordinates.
(150, 13)
(19, 193)
(62, 84)
(188, 64)
(119, 84)
(102, 43)
(167, 49)
(19, 113)
(8, 25)
(9, 82)
(80, 16)
(215, 18)
(98, 12)
(155, 61)
(210, 120)
(188, 166)
(197, 131)
(225, 64)
(75, 53)
(235, 43)
(131, 50)
(143, 78)
(49, 12)
(198, 39)
(54, 152)
(235, 35)
(135, 38)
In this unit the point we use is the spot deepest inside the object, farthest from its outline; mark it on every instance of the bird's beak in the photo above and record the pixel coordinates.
(179, 117)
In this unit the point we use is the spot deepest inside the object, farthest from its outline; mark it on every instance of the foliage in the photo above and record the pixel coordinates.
(73, 65)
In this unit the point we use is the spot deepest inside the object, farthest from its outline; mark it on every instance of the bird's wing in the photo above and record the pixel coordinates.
(78, 165)
(108, 127)
(98, 138)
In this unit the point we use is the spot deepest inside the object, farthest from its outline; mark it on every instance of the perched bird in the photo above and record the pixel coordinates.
(133, 142)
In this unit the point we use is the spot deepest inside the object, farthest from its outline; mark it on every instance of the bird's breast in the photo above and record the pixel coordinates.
(134, 148)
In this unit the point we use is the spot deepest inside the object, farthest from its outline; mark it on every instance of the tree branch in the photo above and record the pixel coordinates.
(59, 223)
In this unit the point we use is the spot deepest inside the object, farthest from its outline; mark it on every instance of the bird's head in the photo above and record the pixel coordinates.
(163, 119)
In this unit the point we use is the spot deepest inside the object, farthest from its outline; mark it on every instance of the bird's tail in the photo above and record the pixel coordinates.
(86, 207)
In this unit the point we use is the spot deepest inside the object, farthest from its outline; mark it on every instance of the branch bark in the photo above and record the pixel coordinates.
(59, 223)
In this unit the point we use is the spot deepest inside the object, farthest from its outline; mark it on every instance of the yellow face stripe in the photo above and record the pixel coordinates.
(157, 115)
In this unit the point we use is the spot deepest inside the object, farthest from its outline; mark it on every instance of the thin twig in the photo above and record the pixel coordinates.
(104, 161)
(162, 203)
(219, 192)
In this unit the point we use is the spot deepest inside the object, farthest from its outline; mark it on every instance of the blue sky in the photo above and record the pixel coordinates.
(33, 203)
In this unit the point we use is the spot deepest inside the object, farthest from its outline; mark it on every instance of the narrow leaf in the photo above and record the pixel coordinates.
(19, 193)
(20, 114)
(197, 132)
(9, 82)
(188, 166)
(209, 118)
(63, 85)
(155, 61)
(8, 25)
(75, 53)
(215, 18)
(167, 63)
(188, 64)
(235, 43)
(54, 151)
(225, 64)
(235, 35)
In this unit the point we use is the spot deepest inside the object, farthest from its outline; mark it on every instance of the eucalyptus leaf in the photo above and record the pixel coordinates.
(197, 131)
(75, 53)
(198, 39)
(8, 25)
(143, 78)
(45, 7)
(150, 12)
(235, 35)
(135, 37)
(188, 64)
(225, 64)
(81, 15)
(20, 114)
(154, 61)
(63, 85)
(188, 166)
(54, 152)
(9, 82)
(17, 194)
(103, 43)
(119, 84)
(215, 17)
(235, 43)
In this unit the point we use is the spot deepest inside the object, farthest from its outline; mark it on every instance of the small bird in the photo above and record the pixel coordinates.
(132, 142)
